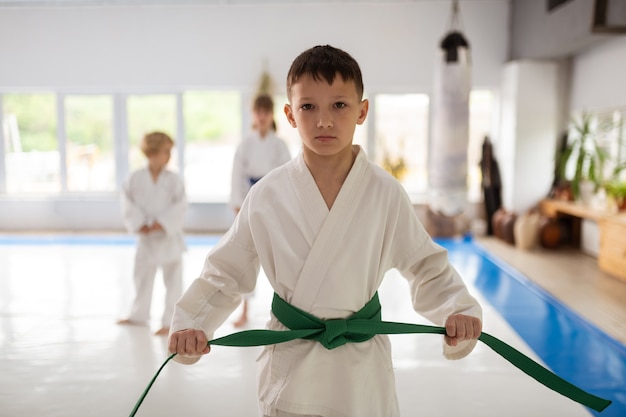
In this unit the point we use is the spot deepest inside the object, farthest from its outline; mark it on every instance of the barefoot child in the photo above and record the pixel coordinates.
(153, 206)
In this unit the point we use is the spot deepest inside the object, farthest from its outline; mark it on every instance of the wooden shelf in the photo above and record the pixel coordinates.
(552, 208)
(612, 254)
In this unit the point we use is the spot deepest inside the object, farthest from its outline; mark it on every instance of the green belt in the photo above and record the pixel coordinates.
(365, 324)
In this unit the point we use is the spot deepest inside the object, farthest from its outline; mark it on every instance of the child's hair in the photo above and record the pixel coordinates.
(266, 103)
(263, 102)
(152, 142)
(324, 62)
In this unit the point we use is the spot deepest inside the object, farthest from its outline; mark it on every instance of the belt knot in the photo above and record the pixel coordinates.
(334, 333)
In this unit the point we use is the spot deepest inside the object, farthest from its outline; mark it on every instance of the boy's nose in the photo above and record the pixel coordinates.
(324, 120)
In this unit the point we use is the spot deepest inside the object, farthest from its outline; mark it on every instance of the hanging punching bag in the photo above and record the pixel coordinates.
(447, 168)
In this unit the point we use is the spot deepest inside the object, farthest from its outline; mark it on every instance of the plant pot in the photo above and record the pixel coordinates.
(587, 189)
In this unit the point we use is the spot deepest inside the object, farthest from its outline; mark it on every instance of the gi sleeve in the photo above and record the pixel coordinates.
(437, 290)
(134, 217)
(230, 269)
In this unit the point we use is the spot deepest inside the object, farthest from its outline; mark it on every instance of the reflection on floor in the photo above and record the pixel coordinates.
(62, 355)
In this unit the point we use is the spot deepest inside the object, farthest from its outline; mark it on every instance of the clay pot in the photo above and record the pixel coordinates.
(496, 222)
(549, 233)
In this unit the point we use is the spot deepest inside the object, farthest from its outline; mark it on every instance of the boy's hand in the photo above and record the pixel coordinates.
(189, 342)
(460, 327)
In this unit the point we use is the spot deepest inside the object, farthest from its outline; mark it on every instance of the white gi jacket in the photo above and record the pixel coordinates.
(329, 263)
(254, 158)
(145, 201)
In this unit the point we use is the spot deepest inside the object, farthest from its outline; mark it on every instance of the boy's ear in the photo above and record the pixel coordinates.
(365, 105)
(289, 113)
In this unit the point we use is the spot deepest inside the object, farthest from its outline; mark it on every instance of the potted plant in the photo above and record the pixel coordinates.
(617, 191)
(588, 157)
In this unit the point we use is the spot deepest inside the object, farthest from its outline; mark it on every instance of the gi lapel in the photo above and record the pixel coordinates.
(332, 232)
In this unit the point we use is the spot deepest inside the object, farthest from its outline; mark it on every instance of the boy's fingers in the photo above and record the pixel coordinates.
(188, 342)
(451, 327)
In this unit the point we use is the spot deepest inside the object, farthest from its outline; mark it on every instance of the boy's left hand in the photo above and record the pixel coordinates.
(460, 327)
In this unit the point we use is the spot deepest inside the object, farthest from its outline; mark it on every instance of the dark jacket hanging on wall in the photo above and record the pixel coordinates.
(491, 183)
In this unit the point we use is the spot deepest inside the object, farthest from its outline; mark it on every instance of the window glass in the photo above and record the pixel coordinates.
(213, 131)
(89, 143)
(149, 113)
(32, 152)
(402, 138)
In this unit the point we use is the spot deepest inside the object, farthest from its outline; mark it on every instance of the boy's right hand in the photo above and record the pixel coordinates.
(189, 342)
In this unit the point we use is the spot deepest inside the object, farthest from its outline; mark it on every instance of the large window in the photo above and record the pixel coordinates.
(402, 130)
(90, 156)
(402, 138)
(213, 130)
(32, 153)
(207, 126)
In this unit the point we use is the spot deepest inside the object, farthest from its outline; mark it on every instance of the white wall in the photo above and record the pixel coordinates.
(598, 76)
(165, 48)
(531, 102)
(565, 30)
(152, 47)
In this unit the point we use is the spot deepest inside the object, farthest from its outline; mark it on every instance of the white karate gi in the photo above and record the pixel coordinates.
(330, 263)
(144, 202)
(254, 158)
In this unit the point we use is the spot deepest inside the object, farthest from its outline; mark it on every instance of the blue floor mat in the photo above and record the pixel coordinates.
(569, 345)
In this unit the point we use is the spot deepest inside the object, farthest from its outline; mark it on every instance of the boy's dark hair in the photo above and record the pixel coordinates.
(324, 62)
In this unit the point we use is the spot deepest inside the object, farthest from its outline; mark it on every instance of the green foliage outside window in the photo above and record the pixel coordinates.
(89, 121)
(36, 120)
(211, 115)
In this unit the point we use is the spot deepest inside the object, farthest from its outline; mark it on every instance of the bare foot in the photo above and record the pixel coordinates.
(163, 331)
(124, 321)
(241, 321)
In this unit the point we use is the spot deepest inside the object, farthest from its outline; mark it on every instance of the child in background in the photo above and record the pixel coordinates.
(326, 227)
(154, 206)
(256, 155)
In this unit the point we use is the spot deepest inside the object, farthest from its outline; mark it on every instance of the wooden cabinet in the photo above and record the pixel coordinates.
(612, 256)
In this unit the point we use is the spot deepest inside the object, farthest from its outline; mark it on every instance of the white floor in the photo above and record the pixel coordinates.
(61, 353)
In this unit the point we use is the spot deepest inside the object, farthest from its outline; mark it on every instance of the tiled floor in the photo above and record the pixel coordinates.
(62, 355)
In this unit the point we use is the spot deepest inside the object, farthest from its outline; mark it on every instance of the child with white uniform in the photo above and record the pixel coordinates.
(154, 206)
(326, 227)
(256, 155)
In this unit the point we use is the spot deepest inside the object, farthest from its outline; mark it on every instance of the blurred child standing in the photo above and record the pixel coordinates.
(256, 155)
(154, 206)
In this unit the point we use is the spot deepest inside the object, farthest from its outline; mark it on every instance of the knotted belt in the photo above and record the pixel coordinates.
(364, 325)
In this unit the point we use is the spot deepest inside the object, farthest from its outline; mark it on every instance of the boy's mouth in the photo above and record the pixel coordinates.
(325, 138)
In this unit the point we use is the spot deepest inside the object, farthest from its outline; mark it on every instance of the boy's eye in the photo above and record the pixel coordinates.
(340, 105)
(306, 106)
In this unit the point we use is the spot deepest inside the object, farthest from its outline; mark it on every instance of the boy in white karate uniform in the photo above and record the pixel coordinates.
(153, 206)
(326, 227)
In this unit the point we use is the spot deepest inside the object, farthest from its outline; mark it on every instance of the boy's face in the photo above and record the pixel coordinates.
(159, 159)
(325, 114)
